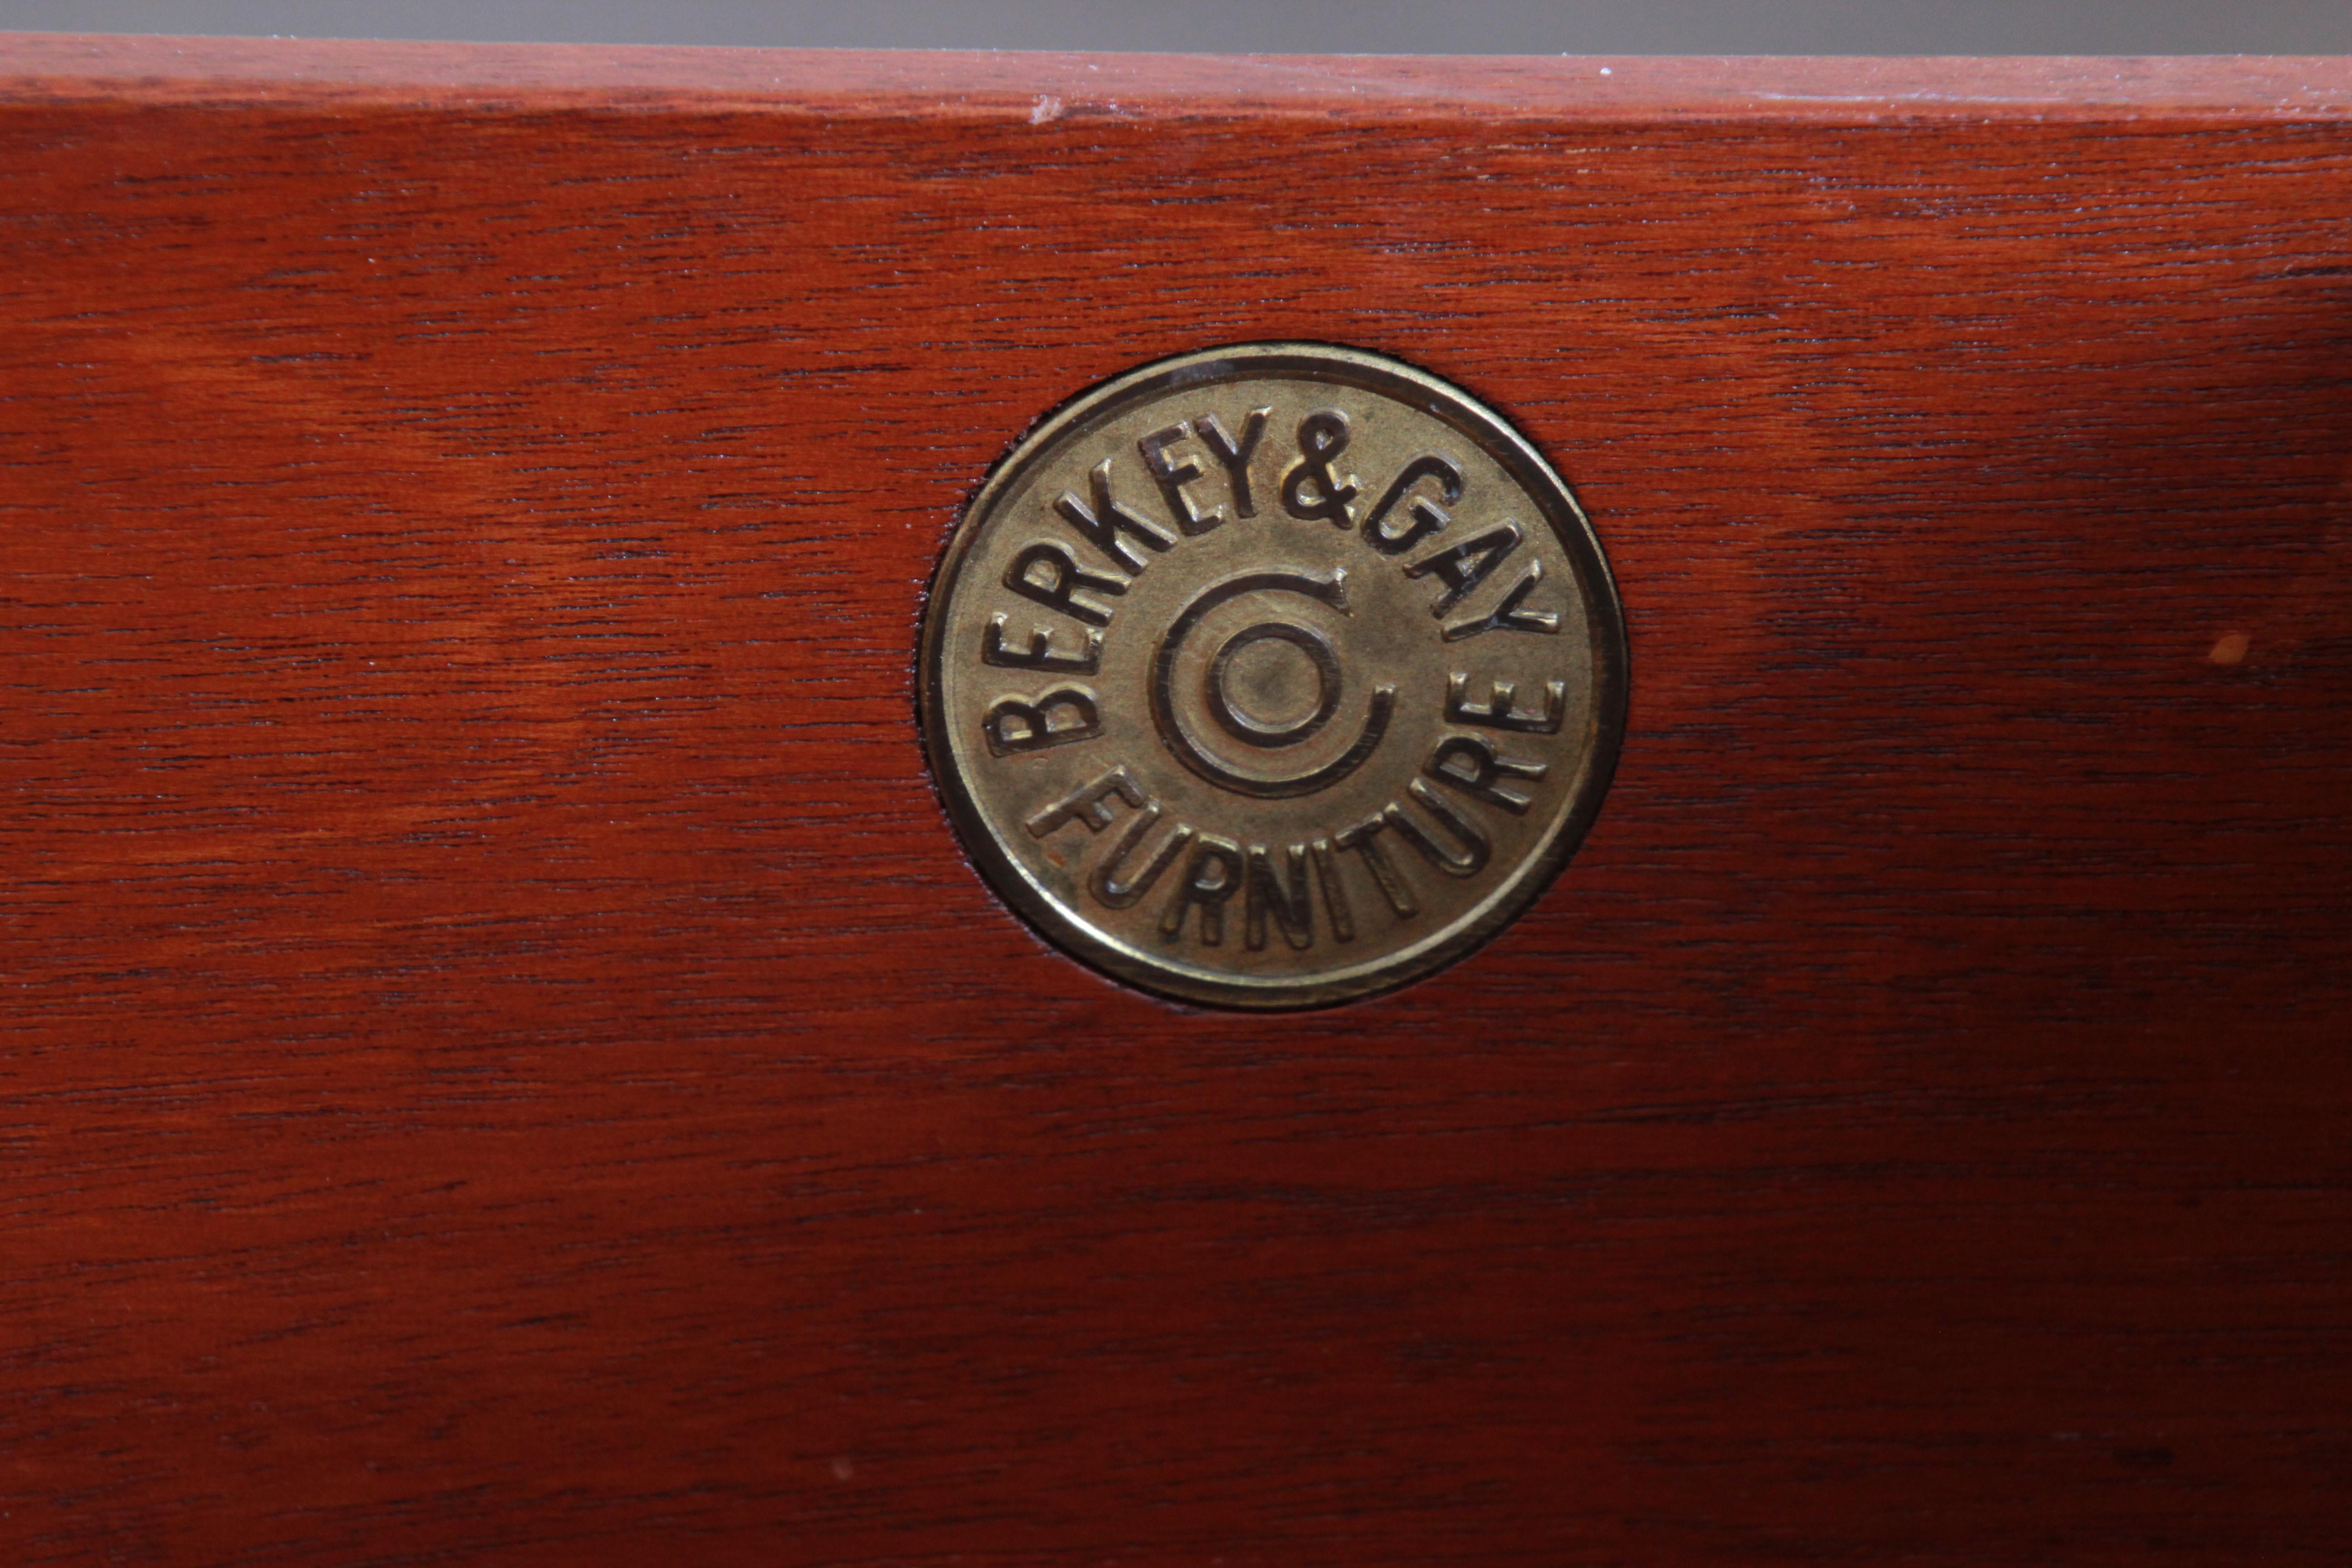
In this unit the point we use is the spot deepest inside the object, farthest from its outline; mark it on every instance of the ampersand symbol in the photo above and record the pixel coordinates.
(1322, 435)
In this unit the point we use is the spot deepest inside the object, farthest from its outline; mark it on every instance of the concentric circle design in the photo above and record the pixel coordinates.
(1234, 713)
(1272, 676)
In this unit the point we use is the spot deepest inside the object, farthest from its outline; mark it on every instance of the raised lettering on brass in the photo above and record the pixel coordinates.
(1272, 676)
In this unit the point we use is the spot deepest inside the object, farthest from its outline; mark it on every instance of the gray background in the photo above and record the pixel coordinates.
(1290, 26)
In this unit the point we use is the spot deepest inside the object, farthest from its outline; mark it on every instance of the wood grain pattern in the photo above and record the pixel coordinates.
(502, 1061)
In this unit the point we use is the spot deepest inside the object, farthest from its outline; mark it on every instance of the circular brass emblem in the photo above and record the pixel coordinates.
(1272, 676)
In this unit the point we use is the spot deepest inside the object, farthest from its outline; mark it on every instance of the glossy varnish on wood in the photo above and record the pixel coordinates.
(503, 1062)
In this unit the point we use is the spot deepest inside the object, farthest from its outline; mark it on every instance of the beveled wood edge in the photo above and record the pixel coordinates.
(56, 68)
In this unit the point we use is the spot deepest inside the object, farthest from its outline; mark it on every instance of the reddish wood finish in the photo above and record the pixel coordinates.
(503, 1061)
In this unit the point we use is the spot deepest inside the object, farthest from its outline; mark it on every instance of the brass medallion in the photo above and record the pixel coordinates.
(1273, 676)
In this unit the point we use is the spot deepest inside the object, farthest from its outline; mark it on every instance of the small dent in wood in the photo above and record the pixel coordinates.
(2229, 648)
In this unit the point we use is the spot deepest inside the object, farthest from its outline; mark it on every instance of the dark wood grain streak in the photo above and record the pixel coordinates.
(502, 1061)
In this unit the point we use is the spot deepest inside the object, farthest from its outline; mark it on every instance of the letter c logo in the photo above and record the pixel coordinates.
(1242, 726)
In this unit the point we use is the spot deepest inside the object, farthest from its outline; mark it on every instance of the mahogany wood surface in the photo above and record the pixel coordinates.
(501, 1059)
